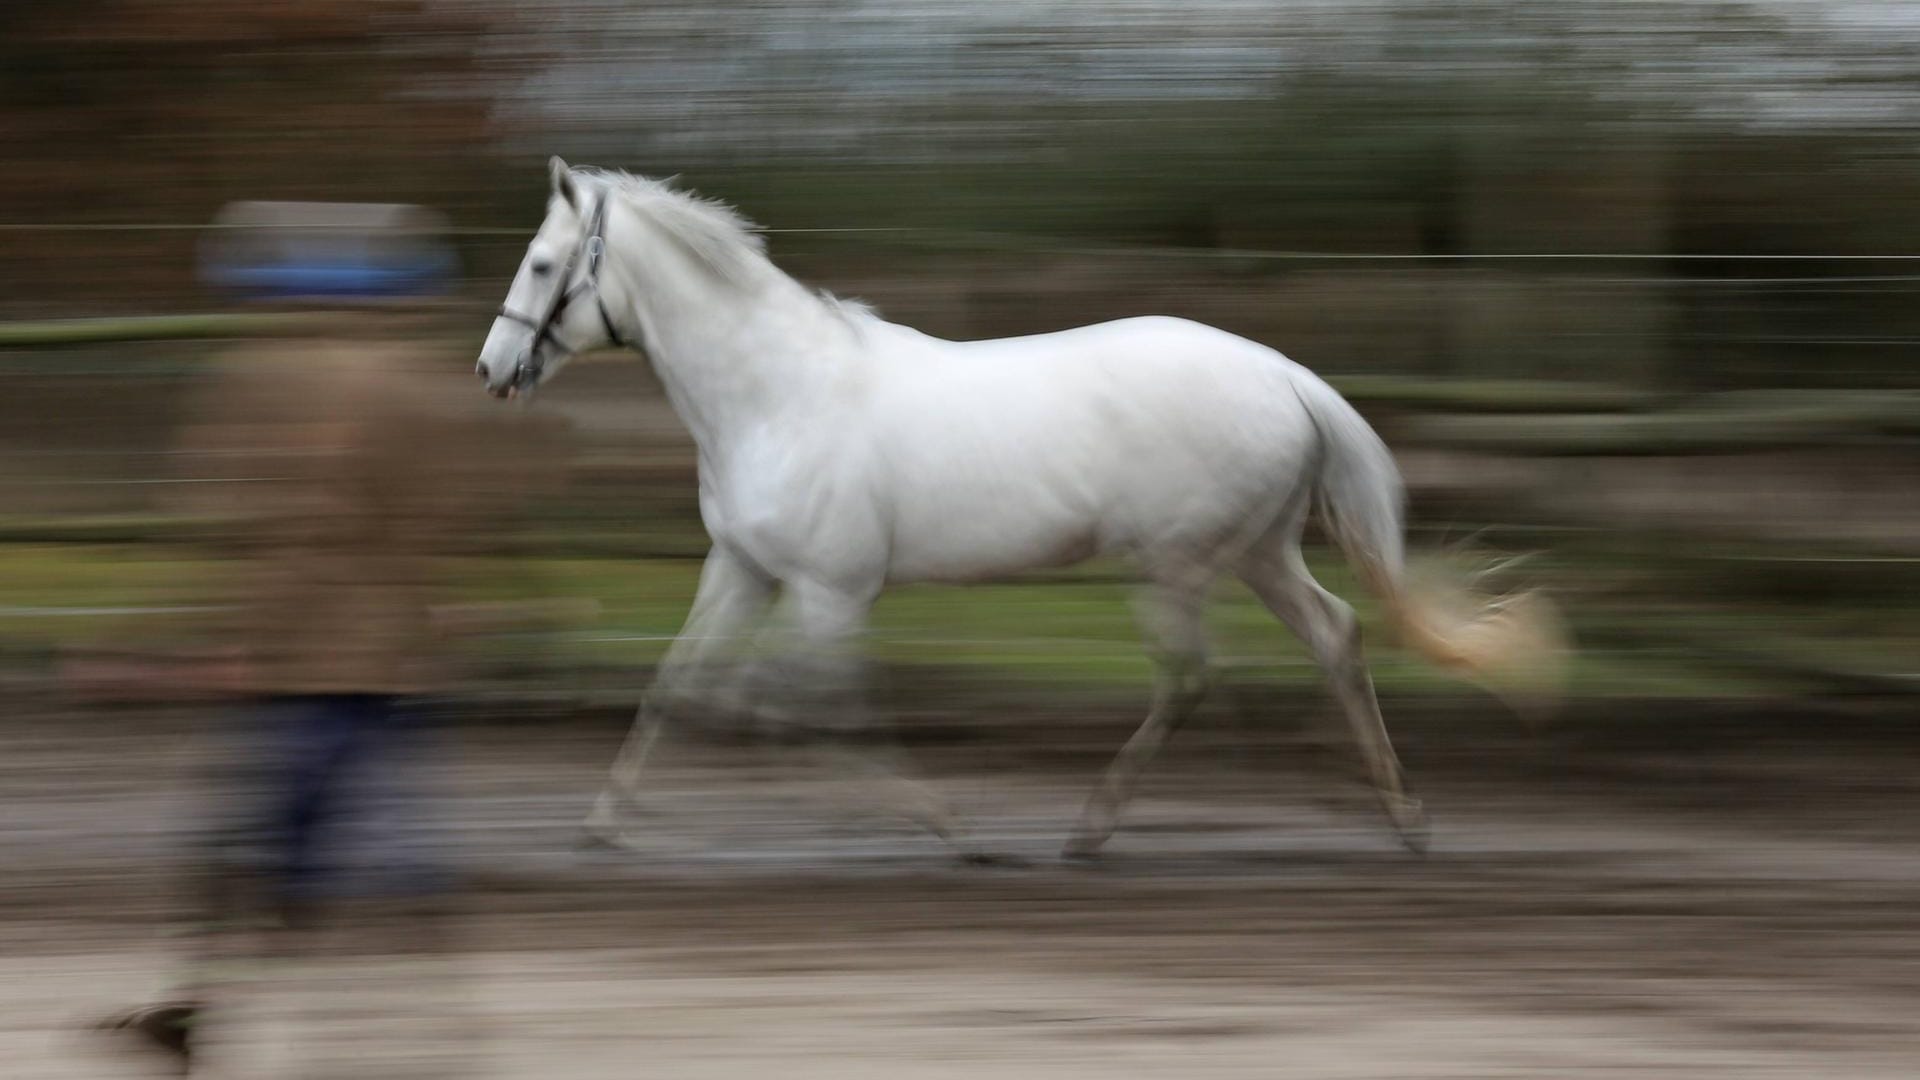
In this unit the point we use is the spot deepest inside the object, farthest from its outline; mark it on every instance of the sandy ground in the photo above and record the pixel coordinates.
(1711, 910)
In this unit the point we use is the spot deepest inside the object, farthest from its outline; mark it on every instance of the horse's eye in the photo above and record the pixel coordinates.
(542, 268)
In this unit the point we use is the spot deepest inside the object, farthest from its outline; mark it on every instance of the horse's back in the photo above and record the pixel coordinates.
(1138, 333)
(1128, 434)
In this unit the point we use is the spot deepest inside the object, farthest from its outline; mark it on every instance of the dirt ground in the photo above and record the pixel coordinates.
(1715, 905)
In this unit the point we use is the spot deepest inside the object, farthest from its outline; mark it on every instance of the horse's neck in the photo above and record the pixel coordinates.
(732, 358)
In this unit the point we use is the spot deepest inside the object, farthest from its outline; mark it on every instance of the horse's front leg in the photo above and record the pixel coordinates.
(731, 596)
(829, 621)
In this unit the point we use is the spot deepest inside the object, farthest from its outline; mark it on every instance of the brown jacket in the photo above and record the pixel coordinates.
(334, 477)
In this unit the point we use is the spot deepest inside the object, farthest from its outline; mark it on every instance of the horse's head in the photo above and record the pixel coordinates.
(554, 308)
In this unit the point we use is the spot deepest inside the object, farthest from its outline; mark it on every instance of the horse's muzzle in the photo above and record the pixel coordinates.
(526, 373)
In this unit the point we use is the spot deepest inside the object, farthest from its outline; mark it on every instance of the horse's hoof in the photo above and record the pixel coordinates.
(595, 839)
(1415, 841)
(1082, 849)
(1409, 822)
(988, 858)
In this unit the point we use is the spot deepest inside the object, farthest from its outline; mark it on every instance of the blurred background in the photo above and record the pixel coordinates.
(1629, 287)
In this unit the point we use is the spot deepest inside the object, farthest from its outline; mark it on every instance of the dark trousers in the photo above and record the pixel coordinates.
(314, 759)
(317, 756)
(327, 744)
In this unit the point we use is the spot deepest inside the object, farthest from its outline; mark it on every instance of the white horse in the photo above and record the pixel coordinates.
(840, 454)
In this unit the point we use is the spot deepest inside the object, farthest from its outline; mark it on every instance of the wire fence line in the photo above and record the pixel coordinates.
(222, 226)
(1031, 241)
(1739, 273)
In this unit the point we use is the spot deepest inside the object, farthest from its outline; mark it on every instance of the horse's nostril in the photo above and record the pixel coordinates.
(480, 369)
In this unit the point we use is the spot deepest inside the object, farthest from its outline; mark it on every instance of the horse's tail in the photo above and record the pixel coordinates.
(1514, 644)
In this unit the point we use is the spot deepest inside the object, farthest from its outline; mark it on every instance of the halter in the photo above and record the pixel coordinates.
(527, 372)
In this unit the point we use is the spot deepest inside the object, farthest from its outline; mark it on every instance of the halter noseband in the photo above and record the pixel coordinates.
(527, 372)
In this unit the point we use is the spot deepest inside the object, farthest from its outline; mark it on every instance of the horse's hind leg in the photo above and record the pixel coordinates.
(1328, 626)
(731, 595)
(1172, 617)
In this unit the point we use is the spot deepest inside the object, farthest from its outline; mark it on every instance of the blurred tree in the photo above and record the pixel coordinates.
(1440, 130)
(149, 111)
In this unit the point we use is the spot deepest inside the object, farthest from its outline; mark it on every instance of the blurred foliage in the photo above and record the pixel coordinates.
(1444, 131)
(148, 112)
(1719, 424)
(1554, 234)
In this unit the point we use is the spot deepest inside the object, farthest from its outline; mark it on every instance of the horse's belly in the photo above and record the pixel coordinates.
(1034, 511)
(959, 540)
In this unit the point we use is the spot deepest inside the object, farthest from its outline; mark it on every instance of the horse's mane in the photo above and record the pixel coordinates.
(719, 237)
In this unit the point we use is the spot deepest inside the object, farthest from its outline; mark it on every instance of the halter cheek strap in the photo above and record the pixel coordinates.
(593, 248)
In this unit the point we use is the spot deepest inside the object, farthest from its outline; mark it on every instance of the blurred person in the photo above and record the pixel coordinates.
(333, 469)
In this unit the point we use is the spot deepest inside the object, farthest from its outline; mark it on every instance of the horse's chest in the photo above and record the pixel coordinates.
(786, 513)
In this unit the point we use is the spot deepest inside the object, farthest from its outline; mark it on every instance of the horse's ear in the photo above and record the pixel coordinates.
(563, 180)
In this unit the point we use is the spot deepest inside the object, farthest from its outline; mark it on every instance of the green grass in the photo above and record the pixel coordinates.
(42, 585)
(58, 332)
(1069, 630)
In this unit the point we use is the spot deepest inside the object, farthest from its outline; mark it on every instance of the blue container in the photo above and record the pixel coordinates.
(328, 251)
(335, 279)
